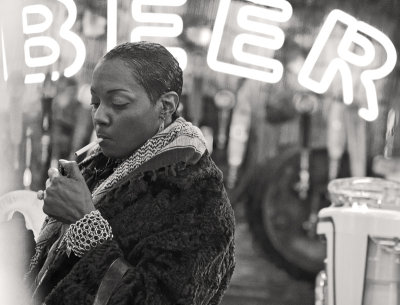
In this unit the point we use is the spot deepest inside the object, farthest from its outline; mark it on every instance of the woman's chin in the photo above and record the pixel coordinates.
(108, 151)
(112, 152)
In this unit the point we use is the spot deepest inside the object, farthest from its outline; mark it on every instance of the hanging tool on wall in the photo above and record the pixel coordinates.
(27, 176)
(335, 137)
(388, 165)
(391, 123)
(238, 138)
(225, 101)
(49, 91)
(306, 105)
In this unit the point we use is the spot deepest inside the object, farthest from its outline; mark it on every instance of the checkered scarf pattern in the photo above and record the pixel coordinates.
(178, 136)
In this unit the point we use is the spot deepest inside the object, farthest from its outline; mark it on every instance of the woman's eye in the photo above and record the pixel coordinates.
(119, 102)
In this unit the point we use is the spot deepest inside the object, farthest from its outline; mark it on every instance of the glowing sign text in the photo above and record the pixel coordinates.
(3, 53)
(269, 70)
(356, 33)
(38, 41)
(251, 51)
(67, 34)
(174, 21)
(52, 44)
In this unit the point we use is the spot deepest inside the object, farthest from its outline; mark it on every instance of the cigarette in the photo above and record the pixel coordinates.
(87, 147)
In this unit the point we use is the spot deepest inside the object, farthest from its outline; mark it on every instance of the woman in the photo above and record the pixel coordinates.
(145, 218)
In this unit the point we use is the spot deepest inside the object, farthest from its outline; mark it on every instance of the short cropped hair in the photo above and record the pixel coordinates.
(153, 67)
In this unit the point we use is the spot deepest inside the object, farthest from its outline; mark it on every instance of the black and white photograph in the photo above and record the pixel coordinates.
(199, 152)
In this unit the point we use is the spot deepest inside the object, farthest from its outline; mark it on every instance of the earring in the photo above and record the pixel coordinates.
(161, 128)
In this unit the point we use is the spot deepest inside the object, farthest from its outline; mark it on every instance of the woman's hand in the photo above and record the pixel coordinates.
(67, 198)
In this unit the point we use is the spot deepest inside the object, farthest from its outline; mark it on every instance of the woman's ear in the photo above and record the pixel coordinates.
(170, 101)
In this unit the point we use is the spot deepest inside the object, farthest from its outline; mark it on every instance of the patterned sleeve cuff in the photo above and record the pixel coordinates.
(87, 233)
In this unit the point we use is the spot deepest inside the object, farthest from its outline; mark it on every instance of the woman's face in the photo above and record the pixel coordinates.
(122, 113)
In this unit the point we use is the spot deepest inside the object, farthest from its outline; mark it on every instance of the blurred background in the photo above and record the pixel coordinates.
(248, 70)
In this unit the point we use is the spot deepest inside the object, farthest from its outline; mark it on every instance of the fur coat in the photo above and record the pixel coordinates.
(174, 225)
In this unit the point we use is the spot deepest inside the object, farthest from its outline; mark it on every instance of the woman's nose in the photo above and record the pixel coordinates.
(101, 115)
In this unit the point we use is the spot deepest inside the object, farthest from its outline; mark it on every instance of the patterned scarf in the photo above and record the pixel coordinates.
(179, 142)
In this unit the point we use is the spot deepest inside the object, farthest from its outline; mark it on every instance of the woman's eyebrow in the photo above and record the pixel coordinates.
(111, 90)
(117, 90)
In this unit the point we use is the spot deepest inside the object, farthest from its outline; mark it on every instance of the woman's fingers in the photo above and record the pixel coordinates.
(71, 169)
(41, 195)
(53, 172)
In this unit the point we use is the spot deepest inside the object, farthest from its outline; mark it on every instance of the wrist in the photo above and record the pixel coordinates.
(85, 212)
(87, 233)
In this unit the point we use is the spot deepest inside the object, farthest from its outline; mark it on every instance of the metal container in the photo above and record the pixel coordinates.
(362, 231)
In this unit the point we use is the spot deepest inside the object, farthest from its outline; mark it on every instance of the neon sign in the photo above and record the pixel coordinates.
(279, 11)
(49, 42)
(4, 57)
(356, 33)
(259, 22)
(67, 34)
(174, 20)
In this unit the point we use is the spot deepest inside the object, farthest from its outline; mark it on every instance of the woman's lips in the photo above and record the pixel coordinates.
(104, 137)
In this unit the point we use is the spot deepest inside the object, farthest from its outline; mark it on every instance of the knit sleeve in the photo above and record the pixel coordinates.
(186, 257)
